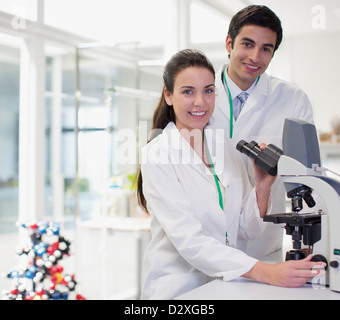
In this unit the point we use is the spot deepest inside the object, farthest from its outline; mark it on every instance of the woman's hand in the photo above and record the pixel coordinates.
(290, 274)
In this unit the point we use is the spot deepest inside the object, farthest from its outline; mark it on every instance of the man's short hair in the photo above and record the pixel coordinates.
(256, 15)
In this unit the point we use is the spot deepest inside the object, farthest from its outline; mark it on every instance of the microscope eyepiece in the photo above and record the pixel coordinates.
(266, 159)
(250, 149)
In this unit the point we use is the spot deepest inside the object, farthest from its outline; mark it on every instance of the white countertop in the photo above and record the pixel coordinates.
(246, 289)
(118, 223)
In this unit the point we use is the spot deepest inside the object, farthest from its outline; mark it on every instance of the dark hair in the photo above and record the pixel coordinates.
(256, 15)
(164, 113)
(182, 60)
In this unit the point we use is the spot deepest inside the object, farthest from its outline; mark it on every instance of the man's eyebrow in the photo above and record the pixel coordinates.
(252, 41)
(248, 39)
(268, 45)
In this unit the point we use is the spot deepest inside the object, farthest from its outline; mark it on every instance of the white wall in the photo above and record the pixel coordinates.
(312, 63)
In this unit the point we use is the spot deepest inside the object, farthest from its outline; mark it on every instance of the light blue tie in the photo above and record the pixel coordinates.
(242, 97)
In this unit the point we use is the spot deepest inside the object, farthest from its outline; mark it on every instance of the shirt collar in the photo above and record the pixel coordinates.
(234, 89)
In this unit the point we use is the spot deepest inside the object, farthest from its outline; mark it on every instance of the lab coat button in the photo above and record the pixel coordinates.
(334, 264)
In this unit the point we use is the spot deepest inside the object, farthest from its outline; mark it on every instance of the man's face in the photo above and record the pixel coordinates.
(251, 54)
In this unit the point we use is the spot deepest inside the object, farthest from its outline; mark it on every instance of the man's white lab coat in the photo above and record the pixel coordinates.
(262, 120)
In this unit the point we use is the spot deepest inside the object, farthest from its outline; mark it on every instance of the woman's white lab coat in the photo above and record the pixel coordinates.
(188, 226)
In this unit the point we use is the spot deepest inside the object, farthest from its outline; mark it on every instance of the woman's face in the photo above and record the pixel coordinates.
(193, 98)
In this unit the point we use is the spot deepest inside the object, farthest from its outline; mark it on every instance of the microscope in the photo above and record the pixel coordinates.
(299, 165)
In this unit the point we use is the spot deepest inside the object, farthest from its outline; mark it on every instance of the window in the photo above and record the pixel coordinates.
(99, 110)
(60, 137)
(207, 25)
(9, 132)
(115, 21)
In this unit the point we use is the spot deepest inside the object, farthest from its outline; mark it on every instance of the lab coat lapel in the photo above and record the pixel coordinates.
(182, 153)
(180, 150)
(222, 99)
(254, 99)
(222, 96)
(216, 144)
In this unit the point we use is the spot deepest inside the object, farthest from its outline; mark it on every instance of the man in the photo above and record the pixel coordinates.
(255, 33)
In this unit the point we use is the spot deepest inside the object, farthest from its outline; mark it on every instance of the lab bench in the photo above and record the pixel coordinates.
(246, 289)
(137, 228)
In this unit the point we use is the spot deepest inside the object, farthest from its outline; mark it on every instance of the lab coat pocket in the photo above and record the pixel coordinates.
(233, 207)
(234, 191)
(174, 285)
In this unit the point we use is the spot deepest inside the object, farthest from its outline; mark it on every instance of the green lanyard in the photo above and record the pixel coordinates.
(231, 100)
(217, 185)
(230, 103)
(215, 176)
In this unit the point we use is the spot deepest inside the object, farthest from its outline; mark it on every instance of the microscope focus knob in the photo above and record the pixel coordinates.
(320, 258)
(334, 264)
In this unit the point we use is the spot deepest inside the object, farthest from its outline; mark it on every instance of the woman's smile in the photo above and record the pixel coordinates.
(198, 114)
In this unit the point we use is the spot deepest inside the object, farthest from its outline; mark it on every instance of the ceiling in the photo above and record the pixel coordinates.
(297, 16)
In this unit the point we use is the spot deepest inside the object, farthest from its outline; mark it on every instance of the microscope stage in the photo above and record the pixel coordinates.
(293, 219)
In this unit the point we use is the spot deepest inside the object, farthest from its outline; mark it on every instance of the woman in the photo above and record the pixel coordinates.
(198, 206)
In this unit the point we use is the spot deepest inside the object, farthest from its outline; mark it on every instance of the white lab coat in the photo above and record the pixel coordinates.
(188, 227)
(262, 120)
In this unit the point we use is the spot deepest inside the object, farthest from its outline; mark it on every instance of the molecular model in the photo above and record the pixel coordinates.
(41, 276)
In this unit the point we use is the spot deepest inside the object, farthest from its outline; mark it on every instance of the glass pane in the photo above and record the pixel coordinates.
(218, 25)
(48, 187)
(9, 121)
(96, 124)
(60, 150)
(101, 115)
(110, 20)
